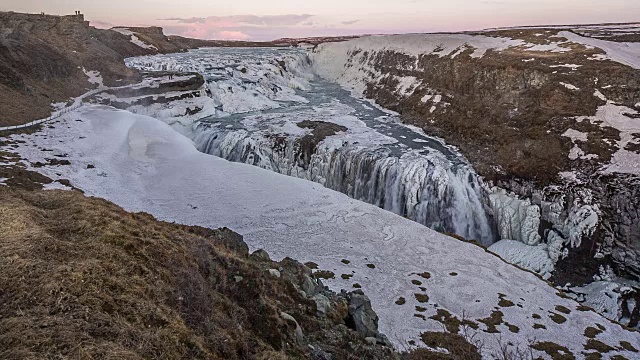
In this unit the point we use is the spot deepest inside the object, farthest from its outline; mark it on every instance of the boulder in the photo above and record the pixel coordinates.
(260, 255)
(323, 305)
(298, 330)
(310, 286)
(319, 354)
(362, 318)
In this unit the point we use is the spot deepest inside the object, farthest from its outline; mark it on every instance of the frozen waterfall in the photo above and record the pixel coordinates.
(411, 185)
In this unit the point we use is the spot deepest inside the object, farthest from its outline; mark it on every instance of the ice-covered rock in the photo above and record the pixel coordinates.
(516, 219)
(533, 258)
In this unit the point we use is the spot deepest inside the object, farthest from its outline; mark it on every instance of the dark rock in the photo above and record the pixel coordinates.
(193, 111)
(260, 255)
(362, 318)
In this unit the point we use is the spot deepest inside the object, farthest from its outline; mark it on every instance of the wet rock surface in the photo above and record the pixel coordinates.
(308, 144)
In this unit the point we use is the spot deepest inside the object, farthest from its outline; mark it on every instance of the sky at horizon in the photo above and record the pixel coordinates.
(268, 20)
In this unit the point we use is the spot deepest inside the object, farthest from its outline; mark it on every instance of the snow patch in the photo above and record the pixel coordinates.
(533, 258)
(573, 67)
(624, 53)
(599, 95)
(134, 38)
(569, 86)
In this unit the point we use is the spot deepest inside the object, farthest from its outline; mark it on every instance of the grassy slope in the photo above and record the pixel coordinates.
(82, 278)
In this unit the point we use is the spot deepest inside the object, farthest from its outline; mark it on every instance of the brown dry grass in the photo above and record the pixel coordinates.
(81, 278)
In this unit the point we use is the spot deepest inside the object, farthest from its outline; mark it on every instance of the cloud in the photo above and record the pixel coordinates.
(351, 22)
(101, 24)
(246, 20)
(237, 27)
(233, 35)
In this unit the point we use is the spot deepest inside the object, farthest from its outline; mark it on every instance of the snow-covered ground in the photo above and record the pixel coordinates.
(134, 38)
(142, 164)
(625, 53)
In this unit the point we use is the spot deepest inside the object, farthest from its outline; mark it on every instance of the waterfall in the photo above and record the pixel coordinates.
(412, 185)
(374, 161)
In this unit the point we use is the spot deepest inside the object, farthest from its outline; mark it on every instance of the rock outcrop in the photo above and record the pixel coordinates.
(43, 59)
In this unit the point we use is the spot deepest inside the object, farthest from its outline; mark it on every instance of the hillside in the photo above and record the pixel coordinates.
(96, 281)
(43, 58)
(419, 281)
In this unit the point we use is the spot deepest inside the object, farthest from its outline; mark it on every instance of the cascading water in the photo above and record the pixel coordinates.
(367, 154)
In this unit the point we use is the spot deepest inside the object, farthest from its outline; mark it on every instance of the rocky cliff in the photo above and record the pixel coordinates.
(43, 58)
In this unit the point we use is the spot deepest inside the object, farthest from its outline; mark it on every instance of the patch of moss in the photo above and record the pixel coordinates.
(563, 309)
(422, 298)
(346, 276)
(493, 321)
(311, 265)
(504, 302)
(416, 282)
(453, 274)
(471, 324)
(536, 316)
(593, 356)
(420, 316)
(420, 309)
(357, 286)
(425, 275)
(555, 351)
(539, 326)
(557, 318)
(457, 346)
(450, 322)
(324, 274)
(514, 329)
(583, 308)
(592, 332)
(627, 346)
(371, 266)
(618, 357)
(345, 261)
(401, 301)
(599, 346)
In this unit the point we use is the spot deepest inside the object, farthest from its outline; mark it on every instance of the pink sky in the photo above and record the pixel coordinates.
(266, 20)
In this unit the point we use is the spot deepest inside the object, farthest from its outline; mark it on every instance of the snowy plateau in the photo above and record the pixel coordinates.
(280, 146)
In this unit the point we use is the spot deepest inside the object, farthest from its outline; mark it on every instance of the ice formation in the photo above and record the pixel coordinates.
(516, 219)
(533, 258)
